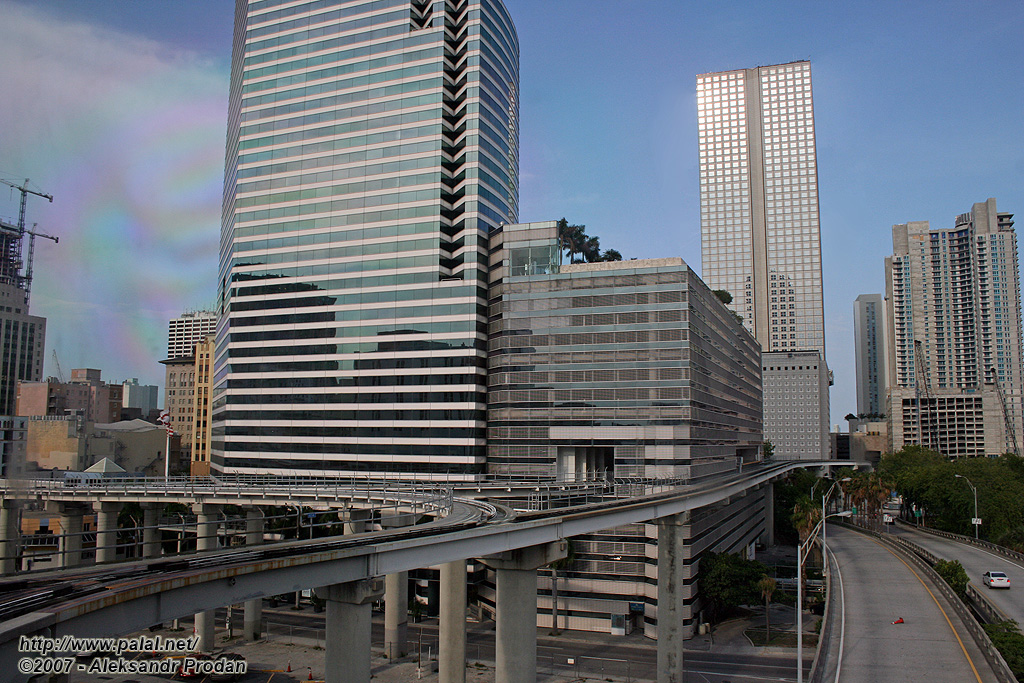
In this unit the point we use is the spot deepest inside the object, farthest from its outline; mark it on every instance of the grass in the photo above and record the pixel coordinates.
(779, 638)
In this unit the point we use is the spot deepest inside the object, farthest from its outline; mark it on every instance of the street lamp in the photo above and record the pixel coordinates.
(974, 488)
(800, 559)
(824, 527)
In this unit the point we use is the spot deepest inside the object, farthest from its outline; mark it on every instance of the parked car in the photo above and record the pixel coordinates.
(996, 580)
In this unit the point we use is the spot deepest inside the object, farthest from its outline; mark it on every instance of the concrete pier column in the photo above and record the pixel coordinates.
(671, 566)
(150, 532)
(516, 585)
(357, 520)
(106, 531)
(207, 524)
(396, 614)
(451, 662)
(253, 610)
(769, 515)
(71, 531)
(348, 629)
(10, 529)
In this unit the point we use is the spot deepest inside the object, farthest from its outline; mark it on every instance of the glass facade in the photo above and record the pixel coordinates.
(760, 232)
(626, 369)
(372, 148)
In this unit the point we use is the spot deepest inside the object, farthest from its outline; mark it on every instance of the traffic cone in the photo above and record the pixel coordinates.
(898, 621)
(289, 669)
(310, 674)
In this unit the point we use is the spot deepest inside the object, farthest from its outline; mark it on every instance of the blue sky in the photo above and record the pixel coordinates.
(117, 108)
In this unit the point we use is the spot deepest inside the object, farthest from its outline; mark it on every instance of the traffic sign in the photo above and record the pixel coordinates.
(976, 521)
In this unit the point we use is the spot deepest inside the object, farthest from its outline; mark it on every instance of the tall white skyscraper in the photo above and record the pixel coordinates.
(760, 234)
(372, 148)
(760, 237)
(871, 353)
(955, 369)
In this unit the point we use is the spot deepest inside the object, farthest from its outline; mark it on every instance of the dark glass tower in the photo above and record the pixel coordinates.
(372, 147)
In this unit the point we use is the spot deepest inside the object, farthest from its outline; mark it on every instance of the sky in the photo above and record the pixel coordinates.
(118, 109)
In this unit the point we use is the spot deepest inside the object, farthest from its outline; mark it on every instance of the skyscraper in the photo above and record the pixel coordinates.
(871, 353)
(372, 147)
(760, 234)
(955, 367)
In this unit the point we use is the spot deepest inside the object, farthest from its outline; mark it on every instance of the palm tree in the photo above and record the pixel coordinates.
(571, 238)
(591, 249)
(766, 585)
(806, 515)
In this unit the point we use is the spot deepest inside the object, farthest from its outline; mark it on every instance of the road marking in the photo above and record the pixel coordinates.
(955, 634)
(842, 618)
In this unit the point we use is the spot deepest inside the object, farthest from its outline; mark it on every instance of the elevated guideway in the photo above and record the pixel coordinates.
(163, 589)
(873, 586)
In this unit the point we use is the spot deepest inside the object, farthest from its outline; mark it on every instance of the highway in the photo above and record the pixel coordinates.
(977, 561)
(874, 587)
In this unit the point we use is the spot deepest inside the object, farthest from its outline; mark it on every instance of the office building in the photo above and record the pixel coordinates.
(796, 410)
(187, 330)
(144, 398)
(201, 424)
(953, 297)
(760, 231)
(86, 395)
(619, 369)
(871, 353)
(372, 148)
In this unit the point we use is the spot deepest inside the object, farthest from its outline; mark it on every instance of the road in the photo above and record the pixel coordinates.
(976, 561)
(878, 587)
(632, 657)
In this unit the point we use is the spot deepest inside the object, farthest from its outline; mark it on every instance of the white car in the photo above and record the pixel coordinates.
(996, 580)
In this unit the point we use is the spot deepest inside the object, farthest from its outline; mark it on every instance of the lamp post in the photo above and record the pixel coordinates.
(824, 536)
(801, 557)
(974, 488)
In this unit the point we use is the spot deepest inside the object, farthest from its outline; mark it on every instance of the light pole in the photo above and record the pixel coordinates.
(974, 488)
(801, 557)
(824, 536)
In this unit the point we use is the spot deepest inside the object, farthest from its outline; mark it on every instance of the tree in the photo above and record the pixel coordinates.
(1007, 638)
(952, 572)
(766, 586)
(723, 296)
(611, 255)
(768, 449)
(591, 249)
(727, 581)
(571, 238)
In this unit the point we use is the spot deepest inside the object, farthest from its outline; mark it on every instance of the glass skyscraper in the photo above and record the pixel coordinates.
(760, 234)
(372, 147)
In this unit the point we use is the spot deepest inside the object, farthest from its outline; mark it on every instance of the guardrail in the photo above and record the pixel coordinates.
(924, 560)
(987, 545)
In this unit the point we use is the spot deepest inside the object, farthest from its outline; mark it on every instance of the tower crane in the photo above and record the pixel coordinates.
(26, 280)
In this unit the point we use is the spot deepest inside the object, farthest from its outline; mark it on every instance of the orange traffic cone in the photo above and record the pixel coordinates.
(289, 669)
(898, 621)
(310, 674)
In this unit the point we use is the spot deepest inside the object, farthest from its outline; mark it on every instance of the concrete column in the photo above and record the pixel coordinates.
(207, 524)
(452, 624)
(348, 629)
(10, 529)
(671, 539)
(357, 519)
(396, 614)
(253, 617)
(151, 534)
(71, 527)
(516, 584)
(769, 515)
(106, 531)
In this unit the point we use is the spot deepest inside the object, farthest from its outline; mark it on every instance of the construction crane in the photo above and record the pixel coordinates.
(25, 192)
(1007, 416)
(32, 234)
(921, 386)
(56, 361)
(13, 244)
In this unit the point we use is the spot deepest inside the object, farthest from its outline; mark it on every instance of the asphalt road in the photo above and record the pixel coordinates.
(632, 657)
(977, 561)
(878, 587)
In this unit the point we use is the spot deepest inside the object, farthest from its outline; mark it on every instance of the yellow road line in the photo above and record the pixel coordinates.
(955, 634)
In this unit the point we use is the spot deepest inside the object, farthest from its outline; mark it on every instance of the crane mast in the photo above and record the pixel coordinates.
(12, 239)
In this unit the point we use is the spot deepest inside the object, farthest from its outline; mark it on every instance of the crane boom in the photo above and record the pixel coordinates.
(14, 244)
(25, 192)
